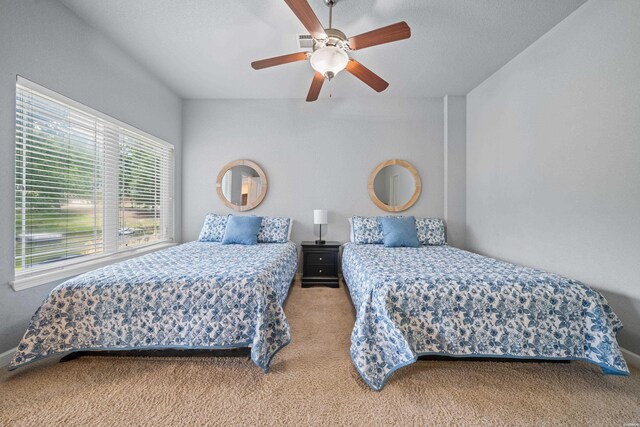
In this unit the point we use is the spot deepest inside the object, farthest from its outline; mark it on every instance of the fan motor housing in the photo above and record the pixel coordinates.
(335, 38)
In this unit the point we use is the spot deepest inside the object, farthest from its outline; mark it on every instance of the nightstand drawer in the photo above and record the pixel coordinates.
(320, 264)
(321, 258)
(321, 270)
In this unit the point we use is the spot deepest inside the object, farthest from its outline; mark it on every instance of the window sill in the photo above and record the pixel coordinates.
(66, 272)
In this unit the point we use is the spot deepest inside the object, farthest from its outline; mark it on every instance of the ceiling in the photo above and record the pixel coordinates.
(203, 48)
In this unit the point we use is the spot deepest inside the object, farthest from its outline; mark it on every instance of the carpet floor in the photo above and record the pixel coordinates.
(312, 382)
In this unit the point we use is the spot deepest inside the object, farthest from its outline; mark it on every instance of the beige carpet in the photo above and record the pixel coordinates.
(312, 382)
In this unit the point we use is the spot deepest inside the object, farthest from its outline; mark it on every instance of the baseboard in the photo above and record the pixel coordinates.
(631, 358)
(6, 357)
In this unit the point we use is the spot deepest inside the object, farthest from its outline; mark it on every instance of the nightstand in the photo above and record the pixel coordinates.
(320, 264)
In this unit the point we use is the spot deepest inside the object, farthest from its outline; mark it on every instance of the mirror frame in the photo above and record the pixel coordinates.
(242, 162)
(414, 197)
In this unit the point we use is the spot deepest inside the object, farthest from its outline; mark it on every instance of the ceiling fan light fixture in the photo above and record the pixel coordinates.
(329, 61)
(331, 48)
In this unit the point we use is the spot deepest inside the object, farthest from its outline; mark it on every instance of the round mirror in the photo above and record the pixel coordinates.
(241, 185)
(394, 185)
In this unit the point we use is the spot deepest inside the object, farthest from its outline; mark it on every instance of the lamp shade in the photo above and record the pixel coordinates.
(329, 61)
(319, 216)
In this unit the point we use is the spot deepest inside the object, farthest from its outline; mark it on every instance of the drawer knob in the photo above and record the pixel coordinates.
(320, 271)
(320, 258)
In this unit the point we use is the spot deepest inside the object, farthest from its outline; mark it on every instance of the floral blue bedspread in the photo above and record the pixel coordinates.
(439, 300)
(196, 295)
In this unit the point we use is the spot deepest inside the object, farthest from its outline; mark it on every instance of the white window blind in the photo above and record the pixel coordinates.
(87, 185)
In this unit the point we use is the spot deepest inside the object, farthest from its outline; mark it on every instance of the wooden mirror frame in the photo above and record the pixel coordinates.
(413, 198)
(242, 162)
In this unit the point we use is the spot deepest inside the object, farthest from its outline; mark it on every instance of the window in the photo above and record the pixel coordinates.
(87, 185)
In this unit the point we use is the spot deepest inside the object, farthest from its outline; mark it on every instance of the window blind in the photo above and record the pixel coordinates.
(87, 185)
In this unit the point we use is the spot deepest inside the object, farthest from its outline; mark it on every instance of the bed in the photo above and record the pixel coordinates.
(439, 300)
(198, 295)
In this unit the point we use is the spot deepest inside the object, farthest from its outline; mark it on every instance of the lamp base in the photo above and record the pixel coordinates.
(320, 242)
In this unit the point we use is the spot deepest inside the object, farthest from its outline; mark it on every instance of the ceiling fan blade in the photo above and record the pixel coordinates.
(388, 34)
(279, 60)
(316, 85)
(309, 19)
(366, 75)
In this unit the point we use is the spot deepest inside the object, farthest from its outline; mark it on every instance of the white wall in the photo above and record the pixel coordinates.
(553, 156)
(45, 42)
(315, 155)
(455, 172)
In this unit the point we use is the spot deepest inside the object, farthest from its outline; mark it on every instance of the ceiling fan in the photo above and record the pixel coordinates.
(331, 49)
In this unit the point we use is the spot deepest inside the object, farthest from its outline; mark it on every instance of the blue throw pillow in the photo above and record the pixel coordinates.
(242, 230)
(399, 231)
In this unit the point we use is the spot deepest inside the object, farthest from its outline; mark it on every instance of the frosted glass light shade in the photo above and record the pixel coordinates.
(329, 61)
(320, 216)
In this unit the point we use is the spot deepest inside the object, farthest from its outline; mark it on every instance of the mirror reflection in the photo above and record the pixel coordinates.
(394, 185)
(242, 185)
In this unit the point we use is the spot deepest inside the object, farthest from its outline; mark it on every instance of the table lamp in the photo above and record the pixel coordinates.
(320, 218)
